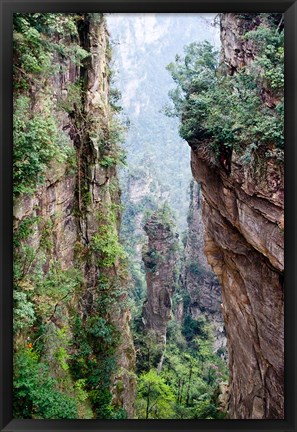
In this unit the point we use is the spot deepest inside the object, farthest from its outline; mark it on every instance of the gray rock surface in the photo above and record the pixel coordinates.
(160, 258)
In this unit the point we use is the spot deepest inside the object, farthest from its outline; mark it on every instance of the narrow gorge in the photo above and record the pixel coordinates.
(148, 216)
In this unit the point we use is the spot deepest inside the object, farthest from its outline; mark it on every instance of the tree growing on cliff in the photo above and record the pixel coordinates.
(36, 135)
(226, 111)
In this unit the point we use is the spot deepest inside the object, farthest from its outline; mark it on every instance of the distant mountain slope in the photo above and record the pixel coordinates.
(144, 44)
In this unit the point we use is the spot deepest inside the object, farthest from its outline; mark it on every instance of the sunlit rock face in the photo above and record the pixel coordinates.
(244, 243)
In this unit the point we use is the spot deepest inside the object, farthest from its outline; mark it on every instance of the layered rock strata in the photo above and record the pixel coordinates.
(243, 214)
(199, 281)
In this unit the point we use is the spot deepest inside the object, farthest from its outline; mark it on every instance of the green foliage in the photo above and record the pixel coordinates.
(25, 229)
(94, 362)
(30, 52)
(61, 354)
(166, 217)
(105, 243)
(195, 76)
(36, 142)
(192, 327)
(39, 39)
(114, 97)
(184, 372)
(112, 294)
(108, 161)
(268, 67)
(149, 350)
(109, 142)
(46, 242)
(35, 392)
(36, 293)
(79, 386)
(152, 258)
(174, 333)
(73, 100)
(154, 398)
(103, 408)
(70, 374)
(74, 52)
(96, 337)
(228, 111)
(120, 414)
(101, 329)
(206, 409)
(101, 401)
(24, 261)
(55, 287)
(35, 45)
(23, 311)
(191, 370)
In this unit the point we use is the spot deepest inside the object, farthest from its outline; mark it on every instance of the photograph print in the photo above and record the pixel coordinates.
(148, 216)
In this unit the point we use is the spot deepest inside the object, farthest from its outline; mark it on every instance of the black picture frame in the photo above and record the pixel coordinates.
(289, 8)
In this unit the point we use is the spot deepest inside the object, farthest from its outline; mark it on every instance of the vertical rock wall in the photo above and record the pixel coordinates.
(71, 198)
(198, 278)
(244, 244)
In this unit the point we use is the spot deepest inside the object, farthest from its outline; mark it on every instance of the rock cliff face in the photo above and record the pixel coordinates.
(160, 260)
(237, 51)
(70, 205)
(244, 244)
(199, 280)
